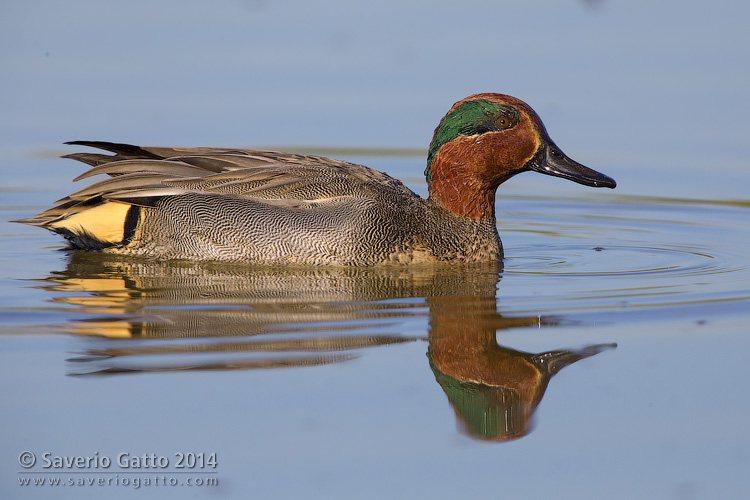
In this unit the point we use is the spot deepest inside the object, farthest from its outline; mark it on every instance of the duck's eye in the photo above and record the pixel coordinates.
(503, 122)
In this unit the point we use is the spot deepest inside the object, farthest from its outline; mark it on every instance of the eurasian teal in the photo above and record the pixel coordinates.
(281, 208)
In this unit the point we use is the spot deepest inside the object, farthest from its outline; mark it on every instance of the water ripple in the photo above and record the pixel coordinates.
(624, 252)
(574, 260)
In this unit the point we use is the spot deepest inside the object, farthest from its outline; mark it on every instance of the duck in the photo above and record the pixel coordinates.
(268, 207)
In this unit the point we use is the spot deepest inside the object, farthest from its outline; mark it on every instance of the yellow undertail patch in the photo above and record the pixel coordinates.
(105, 222)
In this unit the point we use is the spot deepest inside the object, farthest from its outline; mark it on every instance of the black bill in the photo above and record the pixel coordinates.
(551, 161)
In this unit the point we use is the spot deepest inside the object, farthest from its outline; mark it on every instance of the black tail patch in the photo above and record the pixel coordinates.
(131, 222)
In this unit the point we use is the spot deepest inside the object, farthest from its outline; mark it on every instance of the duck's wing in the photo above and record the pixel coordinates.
(143, 175)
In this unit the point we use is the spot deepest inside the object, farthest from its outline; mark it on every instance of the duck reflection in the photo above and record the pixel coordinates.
(145, 316)
(494, 390)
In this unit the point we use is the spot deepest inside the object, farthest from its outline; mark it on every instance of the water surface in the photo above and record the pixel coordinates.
(640, 300)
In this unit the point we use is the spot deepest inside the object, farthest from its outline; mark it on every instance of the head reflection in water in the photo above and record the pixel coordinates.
(494, 390)
(503, 409)
(221, 317)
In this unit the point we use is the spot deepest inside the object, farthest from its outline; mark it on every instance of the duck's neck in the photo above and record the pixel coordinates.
(455, 187)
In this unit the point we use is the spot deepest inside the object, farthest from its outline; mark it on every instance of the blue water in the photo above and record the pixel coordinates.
(343, 384)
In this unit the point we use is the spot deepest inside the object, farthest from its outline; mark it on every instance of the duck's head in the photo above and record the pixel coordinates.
(483, 141)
